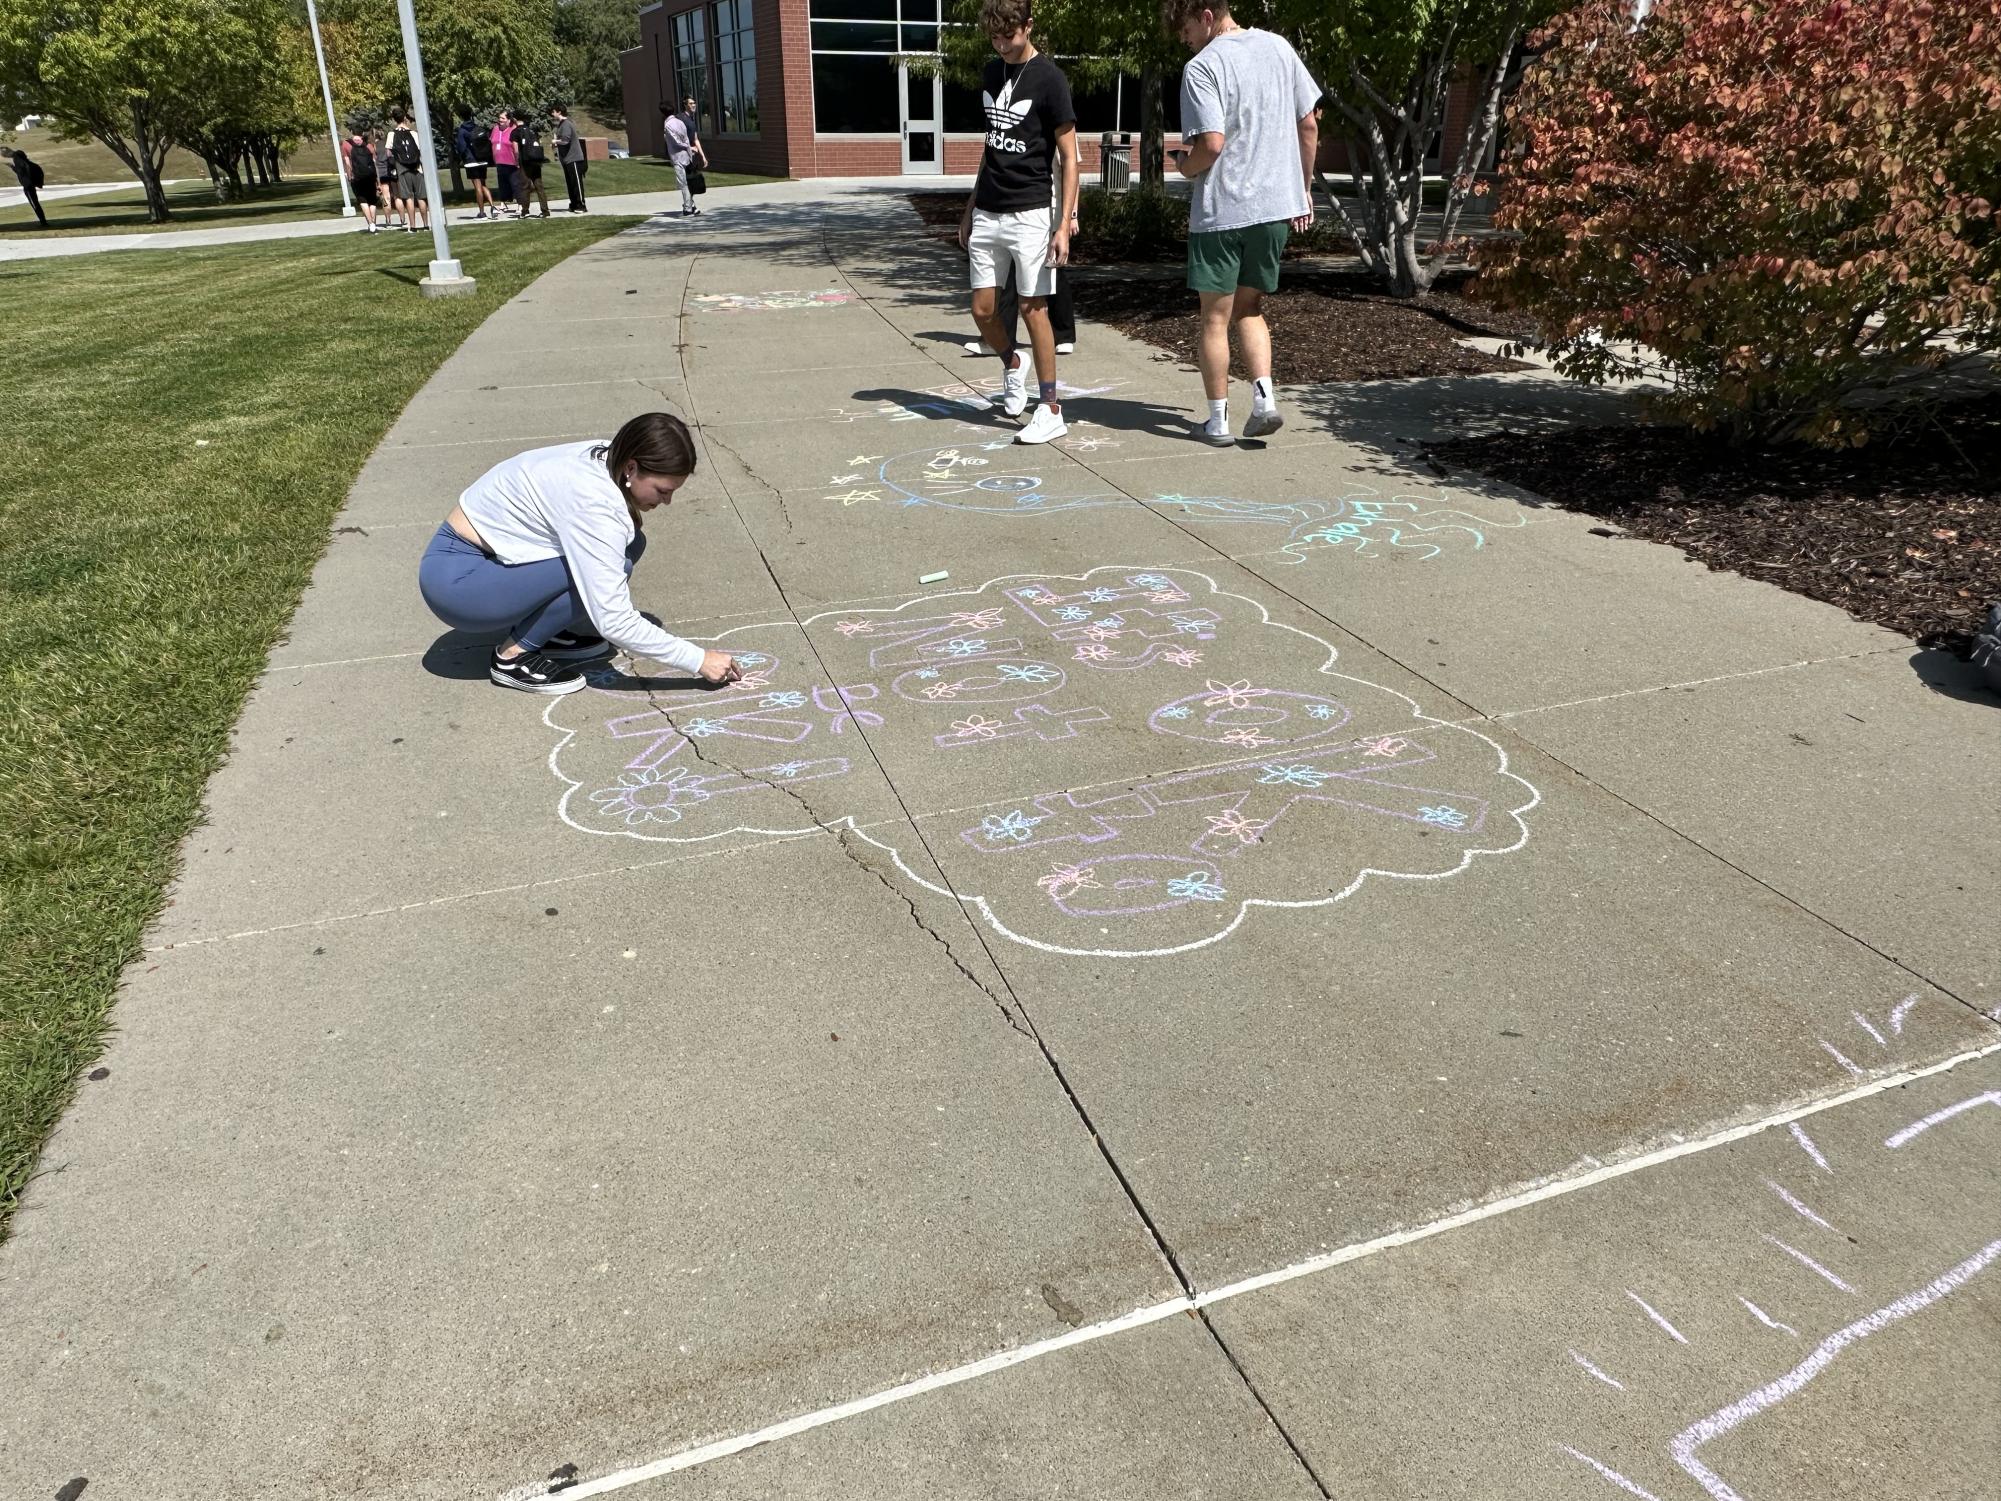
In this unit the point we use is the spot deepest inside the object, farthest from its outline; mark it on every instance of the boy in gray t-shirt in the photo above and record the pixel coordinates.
(1249, 113)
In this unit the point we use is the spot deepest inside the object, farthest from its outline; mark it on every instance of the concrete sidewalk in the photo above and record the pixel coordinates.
(1284, 976)
(27, 247)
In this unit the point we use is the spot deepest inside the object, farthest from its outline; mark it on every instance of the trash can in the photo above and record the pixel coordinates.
(1115, 162)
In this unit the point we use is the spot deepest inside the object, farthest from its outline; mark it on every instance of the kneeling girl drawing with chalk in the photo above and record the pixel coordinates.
(543, 545)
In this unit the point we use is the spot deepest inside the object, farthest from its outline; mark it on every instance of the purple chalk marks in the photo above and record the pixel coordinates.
(1836, 1054)
(1766, 1319)
(1806, 1145)
(1808, 1262)
(1797, 1206)
(1607, 1473)
(1898, 1012)
(1588, 1366)
(1656, 1315)
(1870, 1027)
(1687, 1444)
(1923, 1124)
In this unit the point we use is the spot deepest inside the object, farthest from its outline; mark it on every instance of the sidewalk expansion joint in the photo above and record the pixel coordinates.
(1110, 1159)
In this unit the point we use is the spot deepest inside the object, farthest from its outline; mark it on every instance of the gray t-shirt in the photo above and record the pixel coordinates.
(1252, 88)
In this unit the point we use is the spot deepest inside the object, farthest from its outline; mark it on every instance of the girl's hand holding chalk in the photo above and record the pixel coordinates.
(720, 667)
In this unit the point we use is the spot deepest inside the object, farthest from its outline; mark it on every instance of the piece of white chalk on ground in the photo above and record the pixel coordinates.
(932, 578)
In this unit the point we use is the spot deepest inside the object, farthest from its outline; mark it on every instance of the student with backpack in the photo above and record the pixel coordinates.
(407, 156)
(475, 150)
(32, 177)
(529, 155)
(361, 176)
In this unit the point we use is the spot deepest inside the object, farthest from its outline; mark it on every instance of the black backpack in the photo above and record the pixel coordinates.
(40, 177)
(404, 150)
(529, 141)
(360, 160)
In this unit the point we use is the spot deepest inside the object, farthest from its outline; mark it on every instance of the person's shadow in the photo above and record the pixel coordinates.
(462, 657)
(1116, 413)
(1950, 677)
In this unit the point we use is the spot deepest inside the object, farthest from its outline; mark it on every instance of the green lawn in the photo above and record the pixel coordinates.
(193, 205)
(143, 578)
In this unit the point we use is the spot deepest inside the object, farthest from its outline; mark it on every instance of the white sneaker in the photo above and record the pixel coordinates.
(1218, 434)
(1066, 348)
(1013, 399)
(1045, 426)
(1263, 422)
(977, 346)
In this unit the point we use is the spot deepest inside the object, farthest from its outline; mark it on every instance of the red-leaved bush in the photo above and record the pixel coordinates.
(1787, 202)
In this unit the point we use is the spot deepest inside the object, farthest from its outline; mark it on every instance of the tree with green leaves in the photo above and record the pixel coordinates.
(1387, 67)
(478, 56)
(589, 36)
(139, 76)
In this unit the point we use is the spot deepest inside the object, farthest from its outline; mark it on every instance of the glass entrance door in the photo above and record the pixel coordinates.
(923, 130)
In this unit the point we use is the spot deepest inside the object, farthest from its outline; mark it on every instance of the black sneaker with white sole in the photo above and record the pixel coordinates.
(577, 646)
(535, 672)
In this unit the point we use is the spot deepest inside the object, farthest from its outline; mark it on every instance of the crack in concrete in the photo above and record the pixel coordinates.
(841, 836)
(784, 513)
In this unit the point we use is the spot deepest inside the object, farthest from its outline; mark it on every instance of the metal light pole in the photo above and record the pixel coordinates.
(326, 93)
(447, 278)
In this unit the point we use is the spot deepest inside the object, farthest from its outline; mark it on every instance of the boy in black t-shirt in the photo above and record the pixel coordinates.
(1019, 214)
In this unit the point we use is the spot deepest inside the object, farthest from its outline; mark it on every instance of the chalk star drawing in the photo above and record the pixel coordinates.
(865, 458)
(768, 302)
(1770, 1324)
(854, 497)
(1266, 780)
(845, 479)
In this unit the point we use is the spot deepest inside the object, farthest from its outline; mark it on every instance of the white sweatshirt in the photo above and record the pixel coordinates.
(560, 503)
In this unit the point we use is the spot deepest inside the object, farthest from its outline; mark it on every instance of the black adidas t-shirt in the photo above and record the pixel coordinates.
(1026, 106)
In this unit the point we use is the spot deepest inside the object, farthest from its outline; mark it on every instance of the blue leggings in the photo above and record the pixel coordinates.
(473, 591)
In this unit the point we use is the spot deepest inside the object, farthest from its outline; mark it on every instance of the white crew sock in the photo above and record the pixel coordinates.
(1261, 393)
(1219, 413)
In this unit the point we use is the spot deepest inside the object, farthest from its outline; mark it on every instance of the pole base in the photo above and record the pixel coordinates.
(447, 279)
(347, 211)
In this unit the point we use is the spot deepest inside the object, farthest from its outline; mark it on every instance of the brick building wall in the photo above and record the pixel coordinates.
(786, 144)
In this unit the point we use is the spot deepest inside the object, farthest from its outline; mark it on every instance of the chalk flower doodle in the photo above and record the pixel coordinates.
(1067, 880)
(1271, 780)
(1016, 826)
(1196, 886)
(650, 795)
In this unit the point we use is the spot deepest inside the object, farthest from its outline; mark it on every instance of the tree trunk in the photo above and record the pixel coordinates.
(272, 153)
(256, 158)
(1152, 162)
(147, 166)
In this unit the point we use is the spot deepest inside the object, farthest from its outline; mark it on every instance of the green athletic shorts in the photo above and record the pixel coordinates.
(1224, 260)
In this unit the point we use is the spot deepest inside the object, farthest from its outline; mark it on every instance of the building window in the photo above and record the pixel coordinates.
(736, 67)
(691, 66)
(855, 45)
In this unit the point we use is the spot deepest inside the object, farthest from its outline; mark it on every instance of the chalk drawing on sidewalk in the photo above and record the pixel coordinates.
(1363, 522)
(768, 302)
(1808, 1292)
(1210, 760)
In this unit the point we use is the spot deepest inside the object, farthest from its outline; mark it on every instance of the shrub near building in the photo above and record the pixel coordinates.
(1789, 202)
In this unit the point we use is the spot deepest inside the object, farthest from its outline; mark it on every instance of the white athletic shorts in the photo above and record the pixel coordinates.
(1020, 239)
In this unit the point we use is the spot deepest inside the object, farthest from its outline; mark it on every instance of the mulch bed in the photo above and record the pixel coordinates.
(1328, 323)
(1906, 534)
(1330, 320)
